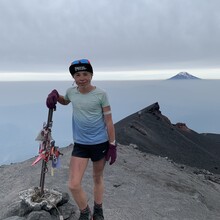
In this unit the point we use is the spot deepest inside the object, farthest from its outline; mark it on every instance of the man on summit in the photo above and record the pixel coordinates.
(93, 135)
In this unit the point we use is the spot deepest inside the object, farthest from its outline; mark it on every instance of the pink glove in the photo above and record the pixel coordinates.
(112, 153)
(52, 99)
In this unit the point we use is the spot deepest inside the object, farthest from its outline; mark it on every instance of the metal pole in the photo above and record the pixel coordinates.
(42, 177)
(44, 163)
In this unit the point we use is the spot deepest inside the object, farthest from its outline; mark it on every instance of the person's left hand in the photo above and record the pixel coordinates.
(111, 154)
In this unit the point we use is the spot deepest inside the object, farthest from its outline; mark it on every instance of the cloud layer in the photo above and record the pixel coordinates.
(42, 35)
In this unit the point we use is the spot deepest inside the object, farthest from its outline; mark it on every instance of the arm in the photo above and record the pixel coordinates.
(112, 151)
(109, 124)
(62, 100)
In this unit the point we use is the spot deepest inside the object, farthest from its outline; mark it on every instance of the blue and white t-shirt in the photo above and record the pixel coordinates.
(87, 120)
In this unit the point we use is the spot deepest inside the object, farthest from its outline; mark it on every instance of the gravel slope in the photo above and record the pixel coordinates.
(138, 186)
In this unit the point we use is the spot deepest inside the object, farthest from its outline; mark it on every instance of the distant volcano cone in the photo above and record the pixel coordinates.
(184, 75)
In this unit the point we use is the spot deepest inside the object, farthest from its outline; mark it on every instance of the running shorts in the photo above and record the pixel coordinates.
(95, 152)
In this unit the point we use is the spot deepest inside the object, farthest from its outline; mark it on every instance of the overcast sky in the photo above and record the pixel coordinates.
(116, 35)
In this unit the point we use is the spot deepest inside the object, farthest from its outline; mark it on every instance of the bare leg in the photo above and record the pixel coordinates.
(98, 168)
(77, 169)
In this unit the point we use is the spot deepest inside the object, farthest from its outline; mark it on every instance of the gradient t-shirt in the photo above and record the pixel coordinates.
(87, 119)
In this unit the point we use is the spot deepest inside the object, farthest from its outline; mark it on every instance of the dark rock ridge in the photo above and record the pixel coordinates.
(184, 75)
(153, 133)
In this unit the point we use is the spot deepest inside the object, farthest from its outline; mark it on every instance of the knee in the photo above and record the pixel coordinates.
(74, 186)
(98, 179)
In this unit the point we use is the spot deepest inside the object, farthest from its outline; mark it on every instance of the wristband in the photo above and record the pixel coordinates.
(113, 142)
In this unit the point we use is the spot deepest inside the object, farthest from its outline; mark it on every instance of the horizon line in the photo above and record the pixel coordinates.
(107, 75)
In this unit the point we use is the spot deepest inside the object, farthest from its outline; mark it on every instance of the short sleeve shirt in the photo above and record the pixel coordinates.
(87, 119)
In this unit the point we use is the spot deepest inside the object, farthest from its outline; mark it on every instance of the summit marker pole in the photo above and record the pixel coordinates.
(47, 148)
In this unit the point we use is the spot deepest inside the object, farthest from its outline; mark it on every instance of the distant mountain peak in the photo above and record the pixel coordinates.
(184, 75)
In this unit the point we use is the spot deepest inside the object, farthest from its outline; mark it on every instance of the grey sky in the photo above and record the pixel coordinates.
(41, 35)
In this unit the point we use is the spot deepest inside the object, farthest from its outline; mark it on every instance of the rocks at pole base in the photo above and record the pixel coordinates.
(51, 206)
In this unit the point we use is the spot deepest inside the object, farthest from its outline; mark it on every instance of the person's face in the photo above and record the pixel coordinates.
(82, 78)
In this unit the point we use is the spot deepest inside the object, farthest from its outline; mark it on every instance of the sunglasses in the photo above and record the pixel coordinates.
(80, 61)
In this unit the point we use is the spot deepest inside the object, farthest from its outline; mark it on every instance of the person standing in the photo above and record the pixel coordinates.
(93, 135)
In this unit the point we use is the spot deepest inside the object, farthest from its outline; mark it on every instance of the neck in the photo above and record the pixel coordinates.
(86, 89)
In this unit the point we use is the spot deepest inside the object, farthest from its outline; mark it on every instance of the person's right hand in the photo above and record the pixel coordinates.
(52, 99)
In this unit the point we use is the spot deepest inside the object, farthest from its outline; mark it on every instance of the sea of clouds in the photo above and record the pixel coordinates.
(23, 109)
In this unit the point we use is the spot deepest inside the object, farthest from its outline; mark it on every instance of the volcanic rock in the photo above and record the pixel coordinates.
(153, 133)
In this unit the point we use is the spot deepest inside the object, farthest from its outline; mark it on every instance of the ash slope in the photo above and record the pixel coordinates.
(153, 133)
(138, 186)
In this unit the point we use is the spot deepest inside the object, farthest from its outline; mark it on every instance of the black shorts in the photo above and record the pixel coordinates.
(96, 152)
